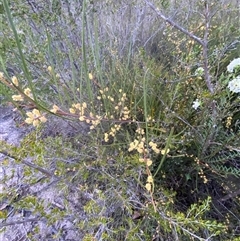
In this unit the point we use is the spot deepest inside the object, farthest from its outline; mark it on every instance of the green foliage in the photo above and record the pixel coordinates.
(150, 164)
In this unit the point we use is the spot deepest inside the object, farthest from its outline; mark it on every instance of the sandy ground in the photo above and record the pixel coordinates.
(11, 176)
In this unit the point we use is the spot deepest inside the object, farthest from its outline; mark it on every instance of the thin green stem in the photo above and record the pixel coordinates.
(145, 103)
(18, 42)
(84, 51)
(165, 151)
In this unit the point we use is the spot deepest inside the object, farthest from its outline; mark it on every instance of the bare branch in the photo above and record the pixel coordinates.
(175, 25)
(28, 220)
(230, 195)
(205, 49)
(27, 163)
(203, 42)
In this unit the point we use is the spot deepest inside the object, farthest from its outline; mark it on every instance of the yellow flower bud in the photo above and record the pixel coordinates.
(15, 80)
(90, 76)
(150, 179)
(49, 68)
(148, 187)
(17, 98)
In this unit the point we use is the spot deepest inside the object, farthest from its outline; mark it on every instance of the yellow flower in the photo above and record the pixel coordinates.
(140, 131)
(84, 105)
(149, 162)
(131, 148)
(90, 76)
(30, 115)
(82, 118)
(163, 152)
(17, 98)
(43, 119)
(156, 150)
(36, 112)
(35, 117)
(29, 120)
(154, 147)
(148, 187)
(141, 159)
(151, 144)
(27, 92)
(72, 110)
(229, 122)
(95, 123)
(49, 68)
(140, 150)
(36, 123)
(117, 127)
(106, 139)
(133, 145)
(150, 179)
(54, 109)
(15, 80)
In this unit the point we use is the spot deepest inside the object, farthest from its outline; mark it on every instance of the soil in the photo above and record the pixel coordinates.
(20, 223)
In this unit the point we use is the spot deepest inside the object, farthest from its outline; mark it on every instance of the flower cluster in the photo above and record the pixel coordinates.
(35, 117)
(200, 171)
(80, 110)
(26, 91)
(154, 147)
(234, 85)
(121, 112)
(17, 97)
(55, 109)
(149, 183)
(233, 64)
(139, 143)
(228, 121)
(114, 129)
(196, 104)
(199, 71)
(148, 161)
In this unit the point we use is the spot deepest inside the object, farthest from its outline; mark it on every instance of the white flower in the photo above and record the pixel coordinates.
(196, 104)
(199, 71)
(234, 85)
(233, 64)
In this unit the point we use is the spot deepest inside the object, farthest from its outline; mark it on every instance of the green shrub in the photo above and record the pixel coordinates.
(161, 148)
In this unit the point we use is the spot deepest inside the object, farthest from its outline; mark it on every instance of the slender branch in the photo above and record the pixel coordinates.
(231, 195)
(28, 220)
(178, 224)
(27, 163)
(205, 49)
(174, 24)
(203, 42)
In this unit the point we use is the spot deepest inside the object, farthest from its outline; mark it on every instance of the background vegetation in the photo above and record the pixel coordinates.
(136, 127)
